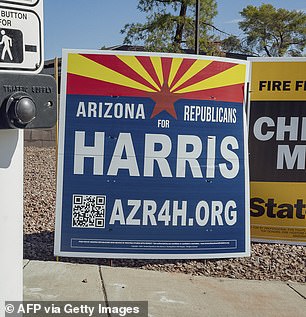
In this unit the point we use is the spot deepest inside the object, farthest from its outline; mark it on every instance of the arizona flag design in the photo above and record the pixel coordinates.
(152, 156)
(163, 79)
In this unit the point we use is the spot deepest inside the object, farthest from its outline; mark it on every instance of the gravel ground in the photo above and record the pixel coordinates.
(267, 261)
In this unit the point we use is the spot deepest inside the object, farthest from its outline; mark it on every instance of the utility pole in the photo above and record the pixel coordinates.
(197, 28)
(27, 101)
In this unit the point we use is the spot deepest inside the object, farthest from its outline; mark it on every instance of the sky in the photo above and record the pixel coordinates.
(91, 24)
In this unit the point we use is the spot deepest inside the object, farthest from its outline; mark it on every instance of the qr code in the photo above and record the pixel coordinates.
(88, 211)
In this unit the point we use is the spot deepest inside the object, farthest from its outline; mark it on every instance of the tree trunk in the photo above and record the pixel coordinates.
(180, 25)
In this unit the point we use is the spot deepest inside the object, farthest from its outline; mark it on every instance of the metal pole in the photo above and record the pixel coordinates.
(197, 28)
(11, 215)
(56, 76)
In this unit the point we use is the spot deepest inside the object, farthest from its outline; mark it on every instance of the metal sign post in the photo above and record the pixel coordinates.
(11, 207)
(21, 52)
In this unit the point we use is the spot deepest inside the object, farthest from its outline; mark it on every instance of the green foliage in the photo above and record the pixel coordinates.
(273, 32)
(232, 44)
(170, 26)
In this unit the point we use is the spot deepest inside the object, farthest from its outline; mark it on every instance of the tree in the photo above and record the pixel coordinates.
(170, 26)
(270, 32)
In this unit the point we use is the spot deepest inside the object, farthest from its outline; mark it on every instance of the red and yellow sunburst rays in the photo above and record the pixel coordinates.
(163, 79)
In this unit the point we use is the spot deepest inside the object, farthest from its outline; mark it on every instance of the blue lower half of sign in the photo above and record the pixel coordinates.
(134, 185)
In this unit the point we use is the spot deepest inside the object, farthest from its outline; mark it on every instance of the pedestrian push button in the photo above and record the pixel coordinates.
(21, 110)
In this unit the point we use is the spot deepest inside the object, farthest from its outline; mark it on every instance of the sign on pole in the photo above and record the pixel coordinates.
(277, 132)
(152, 159)
(21, 51)
(21, 36)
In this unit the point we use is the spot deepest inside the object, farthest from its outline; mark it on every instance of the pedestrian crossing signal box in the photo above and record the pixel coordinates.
(27, 101)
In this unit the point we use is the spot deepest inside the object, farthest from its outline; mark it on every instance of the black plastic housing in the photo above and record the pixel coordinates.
(38, 90)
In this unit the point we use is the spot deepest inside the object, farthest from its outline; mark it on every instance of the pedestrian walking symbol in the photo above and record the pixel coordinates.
(11, 46)
(7, 44)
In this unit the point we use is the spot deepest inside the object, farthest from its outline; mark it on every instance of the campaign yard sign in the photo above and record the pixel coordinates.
(152, 156)
(278, 149)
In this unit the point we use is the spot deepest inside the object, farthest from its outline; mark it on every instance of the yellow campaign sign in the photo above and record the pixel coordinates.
(277, 147)
(278, 80)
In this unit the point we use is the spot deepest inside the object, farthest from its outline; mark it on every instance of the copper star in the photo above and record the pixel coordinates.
(164, 101)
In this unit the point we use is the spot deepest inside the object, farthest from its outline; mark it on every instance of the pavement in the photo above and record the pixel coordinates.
(168, 294)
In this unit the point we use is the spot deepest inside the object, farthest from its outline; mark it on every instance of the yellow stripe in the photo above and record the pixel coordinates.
(232, 76)
(195, 68)
(157, 64)
(82, 66)
(134, 64)
(284, 194)
(175, 65)
(291, 76)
